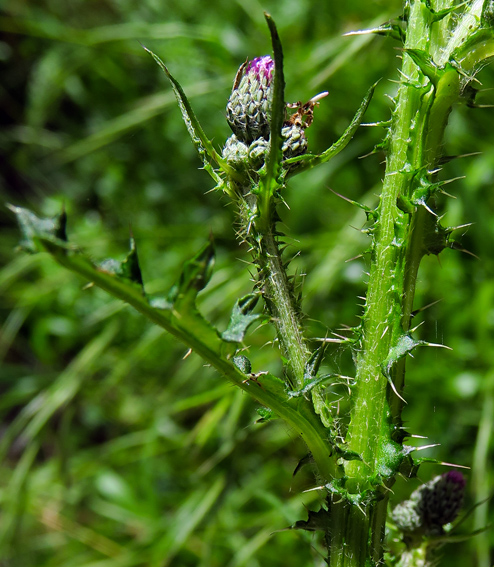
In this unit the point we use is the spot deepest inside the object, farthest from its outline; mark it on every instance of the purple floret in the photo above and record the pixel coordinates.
(455, 477)
(261, 66)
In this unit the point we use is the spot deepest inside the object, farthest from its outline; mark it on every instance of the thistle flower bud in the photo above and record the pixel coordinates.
(249, 106)
(406, 517)
(294, 141)
(431, 506)
(257, 152)
(442, 498)
(235, 152)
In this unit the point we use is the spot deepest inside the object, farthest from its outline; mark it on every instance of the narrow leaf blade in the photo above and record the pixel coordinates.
(273, 162)
(308, 162)
(201, 141)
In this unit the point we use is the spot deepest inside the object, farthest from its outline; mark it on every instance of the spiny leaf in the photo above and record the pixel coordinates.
(33, 226)
(128, 269)
(195, 275)
(314, 362)
(389, 459)
(241, 318)
(191, 328)
(320, 520)
(303, 461)
(201, 141)
(273, 161)
(309, 384)
(476, 51)
(371, 214)
(345, 454)
(435, 236)
(426, 64)
(309, 161)
(404, 345)
(270, 383)
(437, 16)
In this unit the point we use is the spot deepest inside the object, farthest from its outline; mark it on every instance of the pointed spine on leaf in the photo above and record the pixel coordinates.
(32, 227)
(241, 318)
(394, 29)
(127, 269)
(195, 275)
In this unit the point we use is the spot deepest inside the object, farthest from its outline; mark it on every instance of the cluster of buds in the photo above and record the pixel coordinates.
(431, 506)
(248, 113)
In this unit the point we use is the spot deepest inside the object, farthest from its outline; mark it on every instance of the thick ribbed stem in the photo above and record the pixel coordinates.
(419, 120)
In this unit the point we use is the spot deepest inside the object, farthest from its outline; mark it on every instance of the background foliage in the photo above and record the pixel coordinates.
(115, 449)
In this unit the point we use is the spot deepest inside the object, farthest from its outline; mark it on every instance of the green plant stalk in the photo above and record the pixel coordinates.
(259, 230)
(277, 291)
(282, 306)
(383, 303)
(418, 124)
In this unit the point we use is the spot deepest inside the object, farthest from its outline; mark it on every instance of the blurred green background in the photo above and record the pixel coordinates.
(115, 450)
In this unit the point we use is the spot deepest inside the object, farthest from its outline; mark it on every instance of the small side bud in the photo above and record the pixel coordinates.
(235, 152)
(406, 517)
(488, 13)
(294, 141)
(431, 506)
(443, 498)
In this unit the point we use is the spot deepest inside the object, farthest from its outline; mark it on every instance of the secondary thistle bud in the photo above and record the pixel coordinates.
(431, 506)
(235, 152)
(443, 498)
(294, 141)
(249, 106)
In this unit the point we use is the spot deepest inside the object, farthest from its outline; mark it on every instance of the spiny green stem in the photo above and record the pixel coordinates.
(349, 536)
(281, 303)
(417, 131)
(277, 290)
(384, 296)
(370, 419)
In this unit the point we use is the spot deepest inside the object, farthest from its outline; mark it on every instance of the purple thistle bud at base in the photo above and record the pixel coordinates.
(443, 500)
(431, 506)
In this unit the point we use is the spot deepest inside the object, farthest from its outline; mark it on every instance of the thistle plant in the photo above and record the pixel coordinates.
(357, 457)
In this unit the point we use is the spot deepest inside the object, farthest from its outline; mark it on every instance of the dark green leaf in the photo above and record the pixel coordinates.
(273, 161)
(241, 318)
(320, 520)
(195, 275)
(128, 269)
